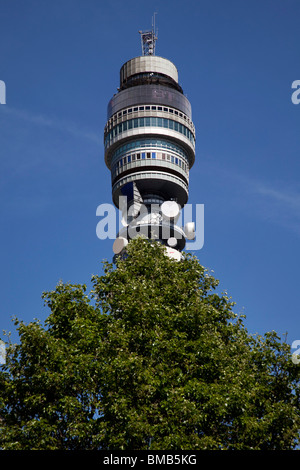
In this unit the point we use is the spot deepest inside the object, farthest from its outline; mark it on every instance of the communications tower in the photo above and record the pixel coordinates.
(149, 141)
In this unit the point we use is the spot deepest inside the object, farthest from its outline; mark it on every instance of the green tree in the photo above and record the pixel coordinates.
(152, 358)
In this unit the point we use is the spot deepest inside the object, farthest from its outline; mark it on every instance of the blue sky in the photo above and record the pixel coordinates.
(236, 59)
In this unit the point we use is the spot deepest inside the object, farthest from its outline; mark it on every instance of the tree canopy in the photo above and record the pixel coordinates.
(152, 358)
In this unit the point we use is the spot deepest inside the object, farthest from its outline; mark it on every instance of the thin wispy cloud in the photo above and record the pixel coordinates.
(53, 123)
(281, 207)
(278, 204)
(43, 161)
(285, 197)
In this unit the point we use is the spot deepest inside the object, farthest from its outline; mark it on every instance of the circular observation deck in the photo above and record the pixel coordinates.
(149, 137)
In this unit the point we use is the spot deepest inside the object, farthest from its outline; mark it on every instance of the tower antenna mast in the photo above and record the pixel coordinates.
(148, 39)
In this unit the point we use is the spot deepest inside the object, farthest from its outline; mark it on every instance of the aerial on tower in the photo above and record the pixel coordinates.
(149, 141)
(148, 39)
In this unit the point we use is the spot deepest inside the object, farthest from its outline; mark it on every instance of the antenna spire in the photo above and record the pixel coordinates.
(148, 39)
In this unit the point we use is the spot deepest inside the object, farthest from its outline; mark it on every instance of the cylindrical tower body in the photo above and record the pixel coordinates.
(149, 141)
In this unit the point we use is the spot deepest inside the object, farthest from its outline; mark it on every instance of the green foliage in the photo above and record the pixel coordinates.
(152, 358)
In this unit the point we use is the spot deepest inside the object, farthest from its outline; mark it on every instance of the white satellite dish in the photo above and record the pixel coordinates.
(189, 230)
(119, 244)
(173, 254)
(172, 241)
(170, 210)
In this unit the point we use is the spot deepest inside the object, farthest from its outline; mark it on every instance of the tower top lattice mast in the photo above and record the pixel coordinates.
(148, 39)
